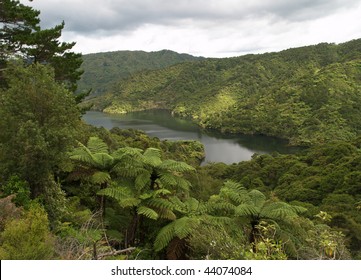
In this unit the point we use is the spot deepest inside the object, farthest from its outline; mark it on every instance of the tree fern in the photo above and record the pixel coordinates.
(176, 166)
(96, 145)
(147, 212)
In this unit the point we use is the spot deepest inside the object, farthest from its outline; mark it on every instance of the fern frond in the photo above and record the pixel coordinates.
(123, 195)
(167, 179)
(160, 203)
(175, 166)
(166, 214)
(152, 152)
(182, 183)
(102, 160)
(148, 212)
(258, 199)
(142, 180)
(192, 204)
(100, 177)
(165, 235)
(185, 225)
(97, 145)
(246, 210)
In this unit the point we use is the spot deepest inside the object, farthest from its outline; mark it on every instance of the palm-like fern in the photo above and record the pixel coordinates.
(151, 182)
(191, 213)
(94, 163)
(253, 206)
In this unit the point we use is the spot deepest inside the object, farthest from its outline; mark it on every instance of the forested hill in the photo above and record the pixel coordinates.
(307, 95)
(101, 69)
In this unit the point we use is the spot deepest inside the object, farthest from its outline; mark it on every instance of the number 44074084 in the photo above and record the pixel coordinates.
(224, 270)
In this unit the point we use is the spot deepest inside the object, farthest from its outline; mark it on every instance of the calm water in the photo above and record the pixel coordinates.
(218, 147)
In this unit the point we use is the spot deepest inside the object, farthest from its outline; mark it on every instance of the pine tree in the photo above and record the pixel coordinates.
(22, 37)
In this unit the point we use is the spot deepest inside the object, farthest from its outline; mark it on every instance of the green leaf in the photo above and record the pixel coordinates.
(148, 212)
(100, 177)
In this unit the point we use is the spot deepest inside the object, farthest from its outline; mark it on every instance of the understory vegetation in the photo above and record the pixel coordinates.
(69, 190)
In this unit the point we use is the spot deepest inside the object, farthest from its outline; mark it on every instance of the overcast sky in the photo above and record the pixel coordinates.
(211, 28)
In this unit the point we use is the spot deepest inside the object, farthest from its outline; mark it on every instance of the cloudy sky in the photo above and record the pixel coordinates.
(211, 28)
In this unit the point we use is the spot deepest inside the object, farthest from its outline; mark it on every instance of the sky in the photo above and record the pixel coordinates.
(209, 28)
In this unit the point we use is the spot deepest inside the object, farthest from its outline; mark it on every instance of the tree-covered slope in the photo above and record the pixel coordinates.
(102, 69)
(307, 95)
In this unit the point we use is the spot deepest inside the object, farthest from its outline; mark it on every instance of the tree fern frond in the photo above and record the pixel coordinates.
(192, 204)
(100, 177)
(166, 214)
(258, 199)
(123, 195)
(165, 235)
(176, 166)
(160, 203)
(221, 205)
(152, 152)
(102, 160)
(185, 225)
(162, 192)
(245, 210)
(148, 212)
(167, 179)
(182, 183)
(233, 186)
(142, 180)
(97, 145)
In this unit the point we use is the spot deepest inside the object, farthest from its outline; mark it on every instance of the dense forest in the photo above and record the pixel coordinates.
(101, 70)
(306, 95)
(72, 191)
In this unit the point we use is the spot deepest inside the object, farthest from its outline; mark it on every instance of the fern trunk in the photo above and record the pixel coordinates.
(132, 229)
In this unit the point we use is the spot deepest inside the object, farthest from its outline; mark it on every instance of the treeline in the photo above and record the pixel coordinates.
(102, 70)
(306, 95)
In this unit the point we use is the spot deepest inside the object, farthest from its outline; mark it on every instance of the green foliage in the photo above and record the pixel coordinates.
(101, 70)
(28, 238)
(18, 187)
(307, 95)
(40, 119)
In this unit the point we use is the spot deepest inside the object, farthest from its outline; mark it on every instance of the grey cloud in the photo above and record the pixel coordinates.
(111, 16)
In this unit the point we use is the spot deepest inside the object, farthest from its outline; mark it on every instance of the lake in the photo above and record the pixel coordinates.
(218, 147)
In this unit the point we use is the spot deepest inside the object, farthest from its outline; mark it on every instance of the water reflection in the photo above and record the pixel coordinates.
(218, 147)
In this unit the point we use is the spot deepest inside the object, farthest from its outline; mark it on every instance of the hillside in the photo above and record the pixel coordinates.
(307, 95)
(102, 69)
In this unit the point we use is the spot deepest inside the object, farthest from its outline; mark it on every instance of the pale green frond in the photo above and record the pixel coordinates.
(192, 204)
(162, 192)
(258, 199)
(82, 156)
(128, 171)
(280, 210)
(167, 179)
(123, 195)
(152, 160)
(97, 145)
(234, 186)
(165, 235)
(103, 161)
(185, 225)
(160, 203)
(142, 180)
(152, 152)
(166, 214)
(176, 166)
(246, 210)
(221, 206)
(148, 212)
(182, 183)
(178, 204)
(100, 177)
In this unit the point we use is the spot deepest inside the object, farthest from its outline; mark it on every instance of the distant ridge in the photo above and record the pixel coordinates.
(102, 69)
